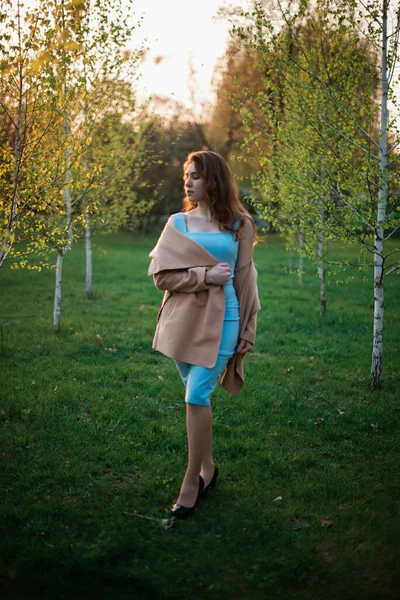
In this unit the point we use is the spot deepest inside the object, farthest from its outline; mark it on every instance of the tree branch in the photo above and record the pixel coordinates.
(393, 147)
(350, 140)
(395, 268)
(305, 114)
(395, 48)
(391, 162)
(395, 251)
(8, 114)
(392, 232)
(369, 14)
(341, 224)
(313, 74)
(336, 190)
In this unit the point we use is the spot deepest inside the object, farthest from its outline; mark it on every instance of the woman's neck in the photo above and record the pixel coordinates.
(203, 211)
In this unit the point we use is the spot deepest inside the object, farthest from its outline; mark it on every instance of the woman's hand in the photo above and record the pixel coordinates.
(218, 275)
(244, 346)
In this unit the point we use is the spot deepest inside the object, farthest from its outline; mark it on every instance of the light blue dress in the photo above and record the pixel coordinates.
(200, 382)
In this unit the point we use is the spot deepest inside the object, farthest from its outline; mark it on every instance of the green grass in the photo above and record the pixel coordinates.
(93, 438)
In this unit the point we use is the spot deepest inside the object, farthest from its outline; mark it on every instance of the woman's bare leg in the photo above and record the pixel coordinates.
(207, 463)
(199, 433)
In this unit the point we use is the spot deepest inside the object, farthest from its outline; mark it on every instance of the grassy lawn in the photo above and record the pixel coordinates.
(93, 444)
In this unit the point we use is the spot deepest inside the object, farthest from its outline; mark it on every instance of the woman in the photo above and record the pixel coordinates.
(207, 320)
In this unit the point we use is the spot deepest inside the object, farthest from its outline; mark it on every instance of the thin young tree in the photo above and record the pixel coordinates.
(109, 68)
(62, 74)
(371, 222)
(94, 73)
(67, 19)
(359, 179)
(29, 116)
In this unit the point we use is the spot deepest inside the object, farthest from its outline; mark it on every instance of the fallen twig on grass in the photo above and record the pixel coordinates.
(167, 523)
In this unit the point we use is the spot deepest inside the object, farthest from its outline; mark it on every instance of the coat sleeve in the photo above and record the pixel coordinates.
(245, 256)
(246, 244)
(181, 280)
(249, 333)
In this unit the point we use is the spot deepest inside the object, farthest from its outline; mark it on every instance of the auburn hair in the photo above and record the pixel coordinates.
(222, 194)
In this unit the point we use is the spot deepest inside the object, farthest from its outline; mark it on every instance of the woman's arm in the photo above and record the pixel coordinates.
(246, 244)
(194, 279)
(249, 334)
(182, 280)
(245, 256)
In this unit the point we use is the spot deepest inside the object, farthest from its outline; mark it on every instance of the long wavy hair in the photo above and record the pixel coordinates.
(222, 193)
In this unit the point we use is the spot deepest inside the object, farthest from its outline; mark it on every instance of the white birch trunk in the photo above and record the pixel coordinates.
(88, 232)
(321, 269)
(88, 243)
(57, 293)
(68, 204)
(377, 348)
(301, 244)
(321, 235)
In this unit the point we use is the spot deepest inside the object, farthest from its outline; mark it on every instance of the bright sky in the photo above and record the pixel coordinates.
(179, 31)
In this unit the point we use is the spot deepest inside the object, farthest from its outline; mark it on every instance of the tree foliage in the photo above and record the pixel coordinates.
(66, 76)
(328, 168)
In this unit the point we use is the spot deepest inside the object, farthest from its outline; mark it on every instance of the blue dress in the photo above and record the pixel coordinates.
(200, 382)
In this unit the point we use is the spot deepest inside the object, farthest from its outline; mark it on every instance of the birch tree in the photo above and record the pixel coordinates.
(123, 153)
(359, 179)
(370, 224)
(40, 104)
(108, 70)
(65, 70)
(68, 50)
(101, 77)
(28, 169)
(384, 225)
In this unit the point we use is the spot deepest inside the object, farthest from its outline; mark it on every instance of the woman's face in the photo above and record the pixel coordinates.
(195, 184)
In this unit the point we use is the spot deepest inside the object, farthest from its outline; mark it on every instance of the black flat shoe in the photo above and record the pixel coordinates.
(205, 490)
(183, 512)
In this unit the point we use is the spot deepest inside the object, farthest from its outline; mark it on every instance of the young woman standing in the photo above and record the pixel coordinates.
(207, 322)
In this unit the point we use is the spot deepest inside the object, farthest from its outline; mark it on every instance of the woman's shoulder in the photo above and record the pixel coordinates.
(177, 220)
(247, 216)
(248, 223)
(172, 219)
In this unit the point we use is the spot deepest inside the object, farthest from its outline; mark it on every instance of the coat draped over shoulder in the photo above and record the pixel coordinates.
(191, 317)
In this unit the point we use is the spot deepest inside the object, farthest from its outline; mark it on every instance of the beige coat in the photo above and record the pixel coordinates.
(190, 321)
